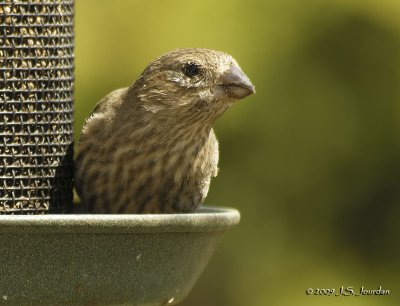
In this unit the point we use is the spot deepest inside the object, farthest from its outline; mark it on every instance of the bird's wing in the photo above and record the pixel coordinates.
(110, 101)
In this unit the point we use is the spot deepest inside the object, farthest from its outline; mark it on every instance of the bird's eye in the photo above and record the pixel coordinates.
(191, 70)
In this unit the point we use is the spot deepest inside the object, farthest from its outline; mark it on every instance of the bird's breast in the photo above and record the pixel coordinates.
(175, 177)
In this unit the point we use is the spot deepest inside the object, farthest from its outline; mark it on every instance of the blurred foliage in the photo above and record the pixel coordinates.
(312, 160)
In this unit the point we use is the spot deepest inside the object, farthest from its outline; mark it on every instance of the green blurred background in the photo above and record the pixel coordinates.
(312, 160)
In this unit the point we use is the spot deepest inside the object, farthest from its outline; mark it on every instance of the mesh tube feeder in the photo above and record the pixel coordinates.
(36, 106)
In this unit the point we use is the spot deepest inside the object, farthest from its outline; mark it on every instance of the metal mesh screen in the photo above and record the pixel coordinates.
(36, 105)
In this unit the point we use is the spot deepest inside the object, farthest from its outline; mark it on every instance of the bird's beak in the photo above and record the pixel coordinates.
(233, 83)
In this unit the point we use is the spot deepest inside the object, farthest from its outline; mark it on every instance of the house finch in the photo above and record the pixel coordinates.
(150, 148)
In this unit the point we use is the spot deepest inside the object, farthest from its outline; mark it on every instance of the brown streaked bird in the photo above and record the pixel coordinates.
(150, 148)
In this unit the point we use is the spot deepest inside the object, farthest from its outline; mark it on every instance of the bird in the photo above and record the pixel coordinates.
(150, 148)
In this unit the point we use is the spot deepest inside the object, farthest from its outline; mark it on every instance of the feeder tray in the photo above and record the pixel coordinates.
(107, 259)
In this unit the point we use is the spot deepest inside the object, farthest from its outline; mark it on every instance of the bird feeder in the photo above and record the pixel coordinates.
(50, 257)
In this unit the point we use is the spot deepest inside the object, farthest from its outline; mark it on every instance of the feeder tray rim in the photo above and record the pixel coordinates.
(205, 219)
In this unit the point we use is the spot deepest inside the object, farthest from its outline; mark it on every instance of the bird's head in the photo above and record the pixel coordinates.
(186, 80)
